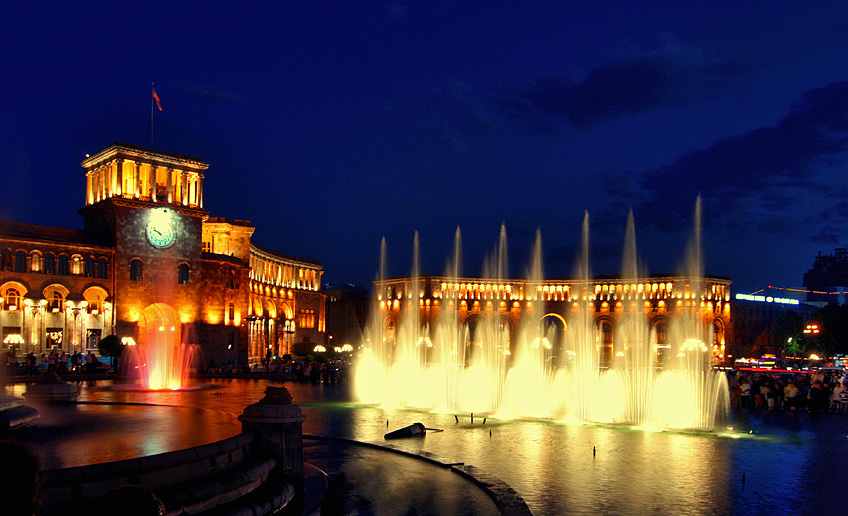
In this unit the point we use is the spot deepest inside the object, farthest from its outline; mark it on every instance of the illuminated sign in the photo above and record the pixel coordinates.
(768, 299)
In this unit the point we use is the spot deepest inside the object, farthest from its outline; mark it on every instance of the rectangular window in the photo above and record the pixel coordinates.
(12, 338)
(63, 266)
(102, 270)
(54, 338)
(20, 261)
(92, 338)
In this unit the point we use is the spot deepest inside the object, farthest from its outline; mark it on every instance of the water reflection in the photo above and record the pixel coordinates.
(791, 463)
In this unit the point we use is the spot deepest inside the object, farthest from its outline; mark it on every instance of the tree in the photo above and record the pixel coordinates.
(110, 346)
(787, 333)
(833, 321)
(302, 348)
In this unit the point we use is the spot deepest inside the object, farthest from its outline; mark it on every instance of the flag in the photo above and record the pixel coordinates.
(156, 98)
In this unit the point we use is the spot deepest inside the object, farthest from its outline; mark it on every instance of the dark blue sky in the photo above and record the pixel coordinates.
(332, 124)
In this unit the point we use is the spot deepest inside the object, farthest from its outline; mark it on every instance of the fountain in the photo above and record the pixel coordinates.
(164, 355)
(574, 369)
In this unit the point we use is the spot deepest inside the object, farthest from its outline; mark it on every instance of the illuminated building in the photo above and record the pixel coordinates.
(755, 316)
(657, 299)
(147, 240)
(827, 280)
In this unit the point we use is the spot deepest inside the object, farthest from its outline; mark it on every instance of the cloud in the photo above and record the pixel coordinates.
(210, 94)
(672, 75)
(448, 119)
(767, 173)
(397, 11)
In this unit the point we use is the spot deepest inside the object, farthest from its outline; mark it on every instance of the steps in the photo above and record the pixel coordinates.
(233, 477)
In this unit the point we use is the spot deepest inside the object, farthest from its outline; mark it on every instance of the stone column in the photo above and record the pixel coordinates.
(184, 188)
(277, 425)
(119, 177)
(89, 190)
(109, 172)
(170, 189)
(151, 184)
(96, 185)
(200, 190)
(138, 181)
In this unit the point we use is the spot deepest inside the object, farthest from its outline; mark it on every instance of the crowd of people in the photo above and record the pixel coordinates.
(329, 371)
(57, 361)
(814, 392)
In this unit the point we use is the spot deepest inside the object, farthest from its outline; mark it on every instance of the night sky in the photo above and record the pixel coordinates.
(329, 125)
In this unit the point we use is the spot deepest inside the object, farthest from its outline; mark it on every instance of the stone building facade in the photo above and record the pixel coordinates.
(147, 240)
(348, 309)
(612, 302)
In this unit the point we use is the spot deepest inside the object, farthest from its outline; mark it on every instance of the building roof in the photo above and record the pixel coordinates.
(26, 231)
(119, 148)
(282, 256)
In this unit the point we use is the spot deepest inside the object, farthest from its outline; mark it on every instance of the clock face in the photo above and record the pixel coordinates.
(160, 234)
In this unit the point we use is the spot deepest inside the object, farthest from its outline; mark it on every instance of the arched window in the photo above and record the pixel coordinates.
(20, 261)
(136, 269)
(63, 265)
(57, 302)
(716, 334)
(95, 304)
(89, 267)
(49, 263)
(231, 279)
(102, 268)
(390, 331)
(96, 298)
(184, 269)
(606, 333)
(36, 262)
(662, 334)
(12, 299)
(307, 318)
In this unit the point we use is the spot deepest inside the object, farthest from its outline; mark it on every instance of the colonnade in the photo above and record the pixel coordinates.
(144, 181)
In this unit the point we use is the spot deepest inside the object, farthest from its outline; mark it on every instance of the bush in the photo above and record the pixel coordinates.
(302, 348)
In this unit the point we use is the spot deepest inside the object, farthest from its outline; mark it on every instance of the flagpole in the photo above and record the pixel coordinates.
(152, 100)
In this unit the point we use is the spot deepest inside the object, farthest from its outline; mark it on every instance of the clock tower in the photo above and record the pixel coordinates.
(148, 205)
